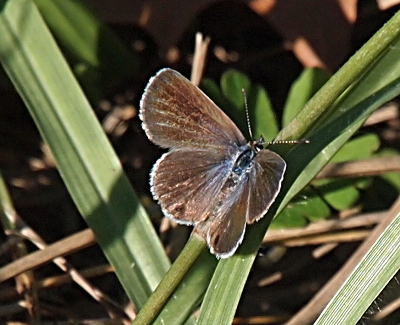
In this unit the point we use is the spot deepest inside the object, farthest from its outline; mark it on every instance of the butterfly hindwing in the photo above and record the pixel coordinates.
(265, 180)
(186, 182)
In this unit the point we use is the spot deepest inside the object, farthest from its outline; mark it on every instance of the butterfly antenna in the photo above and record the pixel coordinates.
(247, 112)
(263, 142)
(288, 141)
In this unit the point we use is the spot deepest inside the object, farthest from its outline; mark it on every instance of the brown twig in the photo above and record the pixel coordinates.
(63, 247)
(361, 168)
(53, 252)
(25, 283)
(317, 233)
(322, 227)
(339, 237)
(199, 58)
(387, 112)
(9, 293)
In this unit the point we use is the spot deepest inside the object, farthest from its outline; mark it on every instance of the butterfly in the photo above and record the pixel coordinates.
(212, 177)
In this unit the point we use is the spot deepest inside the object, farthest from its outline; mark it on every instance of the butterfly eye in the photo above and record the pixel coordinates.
(259, 146)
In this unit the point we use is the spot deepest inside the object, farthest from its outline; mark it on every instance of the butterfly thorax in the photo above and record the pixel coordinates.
(244, 161)
(246, 157)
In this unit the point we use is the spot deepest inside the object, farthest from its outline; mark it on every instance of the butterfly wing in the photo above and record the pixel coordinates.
(176, 114)
(225, 228)
(264, 183)
(186, 182)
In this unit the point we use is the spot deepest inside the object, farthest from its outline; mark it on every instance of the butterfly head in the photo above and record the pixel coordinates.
(257, 145)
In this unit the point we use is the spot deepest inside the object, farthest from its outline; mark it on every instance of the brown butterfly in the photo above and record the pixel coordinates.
(212, 177)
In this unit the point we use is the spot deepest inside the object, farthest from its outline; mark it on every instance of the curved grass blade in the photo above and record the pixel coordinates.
(377, 268)
(101, 60)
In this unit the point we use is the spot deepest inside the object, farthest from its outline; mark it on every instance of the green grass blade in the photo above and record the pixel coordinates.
(85, 158)
(333, 137)
(89, 43)
(188, 295)
(377, 268)
(193, 249)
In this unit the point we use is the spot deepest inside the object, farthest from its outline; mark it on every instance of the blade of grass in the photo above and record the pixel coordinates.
(88, 41)
(85, 158)
(376, 269)
(173, 278)
(305, 86)
(177, 311)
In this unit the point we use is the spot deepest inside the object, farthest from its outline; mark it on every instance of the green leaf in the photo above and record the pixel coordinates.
(340, 193)
(306, 85)
(232, 83)
(305, 207)
(361, 147)
(231, 100)
(262, 117)
(289, 218)
(86, 161)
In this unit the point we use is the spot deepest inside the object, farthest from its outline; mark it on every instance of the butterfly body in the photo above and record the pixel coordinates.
(212, 177)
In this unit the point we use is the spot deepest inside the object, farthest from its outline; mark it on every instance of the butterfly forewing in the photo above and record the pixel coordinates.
(175, 114)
